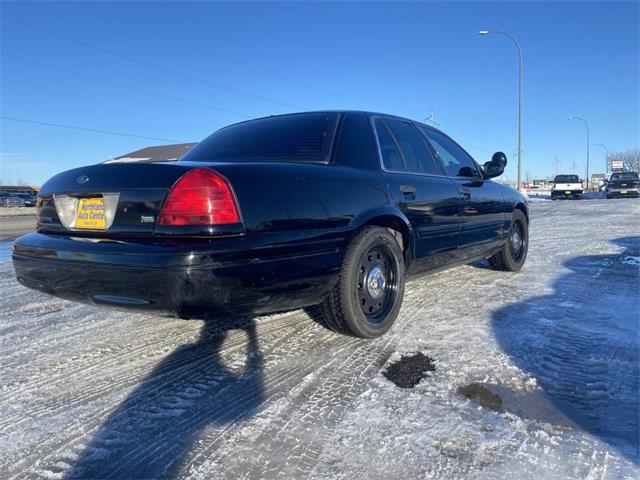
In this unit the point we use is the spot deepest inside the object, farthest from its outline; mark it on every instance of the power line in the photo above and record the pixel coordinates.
(150, 65)
(122, 85)
(194, 78)
(95, 130)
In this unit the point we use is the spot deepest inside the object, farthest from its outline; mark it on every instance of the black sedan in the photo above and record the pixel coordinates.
(323, 208)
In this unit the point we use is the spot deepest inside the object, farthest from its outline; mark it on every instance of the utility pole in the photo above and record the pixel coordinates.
(588, 144)
(556, 163)
(573, 166)
(607, 156)
(487, 32)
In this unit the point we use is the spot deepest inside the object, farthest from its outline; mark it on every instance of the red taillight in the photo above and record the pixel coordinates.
(200, 197)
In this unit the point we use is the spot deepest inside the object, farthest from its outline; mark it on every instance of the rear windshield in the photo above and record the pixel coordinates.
(301, 137)
(567, 179)
(624, 176)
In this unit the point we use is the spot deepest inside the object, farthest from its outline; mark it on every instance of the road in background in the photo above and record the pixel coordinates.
(92, 393)
(11, 227)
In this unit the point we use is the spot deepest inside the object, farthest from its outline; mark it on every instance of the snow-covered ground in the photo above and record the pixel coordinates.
(88, 392)
(15, 211)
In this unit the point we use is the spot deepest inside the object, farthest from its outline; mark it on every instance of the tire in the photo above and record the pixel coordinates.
(514, 253)
(369, 293)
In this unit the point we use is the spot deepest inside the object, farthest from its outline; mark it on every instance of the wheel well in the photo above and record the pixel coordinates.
(520, 206)
(398, 228)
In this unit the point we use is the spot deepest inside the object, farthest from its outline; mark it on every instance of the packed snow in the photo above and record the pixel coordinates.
(90, 392)
(16, 211)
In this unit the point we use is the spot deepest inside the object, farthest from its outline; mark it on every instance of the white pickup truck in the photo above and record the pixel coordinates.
(566, 186)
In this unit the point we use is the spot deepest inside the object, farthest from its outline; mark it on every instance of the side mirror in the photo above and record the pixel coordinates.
(495, 167)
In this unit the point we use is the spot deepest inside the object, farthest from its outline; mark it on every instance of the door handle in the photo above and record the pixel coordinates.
(408, 189)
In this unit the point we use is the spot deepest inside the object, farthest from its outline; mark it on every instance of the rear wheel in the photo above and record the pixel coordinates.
(514, 252)
(368, 296)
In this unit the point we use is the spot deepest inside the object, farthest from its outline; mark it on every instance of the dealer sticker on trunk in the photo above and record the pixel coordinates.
(90, 214)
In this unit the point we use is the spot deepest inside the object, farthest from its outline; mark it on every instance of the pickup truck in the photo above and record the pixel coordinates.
(623, 184)
(566, 186)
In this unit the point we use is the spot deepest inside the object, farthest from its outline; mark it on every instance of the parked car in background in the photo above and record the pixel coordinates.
(29, 200)
(10, 200)
(566, 186)
(623, 184)
(321, 208)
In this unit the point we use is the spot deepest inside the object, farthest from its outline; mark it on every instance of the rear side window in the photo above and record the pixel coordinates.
(302, 137)
(391, 157)
(400, 139)
(457, 162)
(624, 176)
(566, 179)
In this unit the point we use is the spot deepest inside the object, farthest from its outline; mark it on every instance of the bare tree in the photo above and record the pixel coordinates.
(630, 159)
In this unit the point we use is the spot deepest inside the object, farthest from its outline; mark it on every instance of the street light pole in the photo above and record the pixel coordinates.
(588, 143)
(487, 32)
(606, 161)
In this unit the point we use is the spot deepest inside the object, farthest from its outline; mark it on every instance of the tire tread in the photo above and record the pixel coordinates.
(332, 307)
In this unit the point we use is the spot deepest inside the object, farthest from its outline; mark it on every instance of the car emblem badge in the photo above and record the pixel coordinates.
(82, 179)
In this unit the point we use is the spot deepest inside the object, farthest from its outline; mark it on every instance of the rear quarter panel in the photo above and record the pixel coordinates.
(307, 199)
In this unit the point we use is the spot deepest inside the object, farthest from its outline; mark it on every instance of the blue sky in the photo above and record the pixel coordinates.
(240, 60)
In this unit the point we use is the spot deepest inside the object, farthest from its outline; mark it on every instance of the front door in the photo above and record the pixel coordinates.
(482, 212)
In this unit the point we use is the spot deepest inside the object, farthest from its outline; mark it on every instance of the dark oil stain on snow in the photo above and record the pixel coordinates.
(409, 370)
(481, 394)
(536, 406)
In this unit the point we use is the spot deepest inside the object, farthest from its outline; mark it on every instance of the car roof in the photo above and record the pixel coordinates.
(366, 112)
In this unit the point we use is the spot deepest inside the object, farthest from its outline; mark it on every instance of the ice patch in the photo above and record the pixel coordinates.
(5, 250)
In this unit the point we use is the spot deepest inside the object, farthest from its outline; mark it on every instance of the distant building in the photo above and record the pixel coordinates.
(542, 183)
(19, 189)
(158, 153)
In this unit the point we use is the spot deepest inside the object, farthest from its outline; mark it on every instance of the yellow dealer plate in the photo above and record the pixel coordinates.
(568, 192)
(623, 192)
(90, 214)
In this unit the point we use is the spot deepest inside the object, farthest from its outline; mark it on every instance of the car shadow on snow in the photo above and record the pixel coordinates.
(151, 432)
(581, 344)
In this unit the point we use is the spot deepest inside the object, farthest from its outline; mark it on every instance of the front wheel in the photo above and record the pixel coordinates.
(368, 296)
(514, 252)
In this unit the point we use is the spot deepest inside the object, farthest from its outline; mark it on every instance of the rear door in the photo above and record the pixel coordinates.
(483, 212)
(427, 198)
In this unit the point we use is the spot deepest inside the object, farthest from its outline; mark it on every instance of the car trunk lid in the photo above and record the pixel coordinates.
(121, 199)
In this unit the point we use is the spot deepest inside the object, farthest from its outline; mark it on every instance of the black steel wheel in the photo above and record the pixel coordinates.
(517, 241)
(376, 283)
(513, 254)
(368, 296)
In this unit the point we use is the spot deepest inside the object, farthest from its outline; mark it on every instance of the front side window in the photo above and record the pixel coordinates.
(457, 162)
(301, 137)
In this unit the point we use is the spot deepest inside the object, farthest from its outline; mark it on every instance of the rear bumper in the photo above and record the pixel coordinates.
(622, 192)
(566, 193)
(193, 279)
